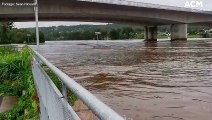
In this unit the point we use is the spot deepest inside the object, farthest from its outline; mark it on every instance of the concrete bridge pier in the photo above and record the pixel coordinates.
(179, 32)
(151, 33)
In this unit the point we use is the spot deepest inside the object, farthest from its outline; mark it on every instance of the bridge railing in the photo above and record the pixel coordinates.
(118, 2)
(53, 103)
(144, 4)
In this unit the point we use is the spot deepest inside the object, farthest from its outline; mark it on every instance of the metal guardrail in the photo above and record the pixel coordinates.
(53, 103)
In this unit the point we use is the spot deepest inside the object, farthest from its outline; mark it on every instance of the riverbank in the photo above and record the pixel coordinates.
(16, 81)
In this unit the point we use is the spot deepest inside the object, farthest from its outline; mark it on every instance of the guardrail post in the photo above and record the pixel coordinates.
(64, 91)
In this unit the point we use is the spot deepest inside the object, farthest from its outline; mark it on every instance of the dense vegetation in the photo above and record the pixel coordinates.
(16, 80)
(109, 31)
(5, 32)
(10, 34)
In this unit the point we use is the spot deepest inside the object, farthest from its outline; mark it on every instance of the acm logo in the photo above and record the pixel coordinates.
(193, 4)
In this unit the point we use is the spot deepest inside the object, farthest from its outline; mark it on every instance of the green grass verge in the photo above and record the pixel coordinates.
(16, 80)
(194, 36)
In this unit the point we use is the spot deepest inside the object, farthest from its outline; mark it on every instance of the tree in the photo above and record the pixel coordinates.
(5, 30)
(19, 36)
(127, 33)
(114, 34)
(104, 34)
(41, 37)
(88, 35)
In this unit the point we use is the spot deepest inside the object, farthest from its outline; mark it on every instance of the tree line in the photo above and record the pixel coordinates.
(112, 34)
(11, 34)
(108, 32)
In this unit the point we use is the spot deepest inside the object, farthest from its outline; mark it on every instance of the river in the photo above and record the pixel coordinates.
(142, 80)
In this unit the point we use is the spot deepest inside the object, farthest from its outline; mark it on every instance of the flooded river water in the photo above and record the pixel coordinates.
(142, 81)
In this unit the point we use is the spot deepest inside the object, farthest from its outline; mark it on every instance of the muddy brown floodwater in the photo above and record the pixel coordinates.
(142, 81)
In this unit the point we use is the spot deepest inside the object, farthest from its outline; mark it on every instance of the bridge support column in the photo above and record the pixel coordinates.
(151, 33)
(179, 32)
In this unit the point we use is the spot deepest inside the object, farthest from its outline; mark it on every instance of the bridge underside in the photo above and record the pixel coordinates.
(87, 18)
(72, 10)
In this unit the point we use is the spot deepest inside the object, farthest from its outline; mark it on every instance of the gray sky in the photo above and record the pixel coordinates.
(54, 23)
(207, 5)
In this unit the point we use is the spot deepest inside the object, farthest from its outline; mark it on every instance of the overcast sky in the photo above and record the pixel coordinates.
(207, 5)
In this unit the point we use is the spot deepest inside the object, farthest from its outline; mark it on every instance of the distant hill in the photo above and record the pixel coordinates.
(77, 32)
(116, 31)
(77, 28)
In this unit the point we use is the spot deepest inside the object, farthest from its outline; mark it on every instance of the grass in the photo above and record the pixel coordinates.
(14, 66)
(6, 51)
(162, 37)
(70, 95)
(189, 36)
(16, 80)
(194, 36)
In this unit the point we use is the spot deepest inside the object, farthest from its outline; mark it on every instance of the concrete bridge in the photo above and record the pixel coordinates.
(115, 11)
